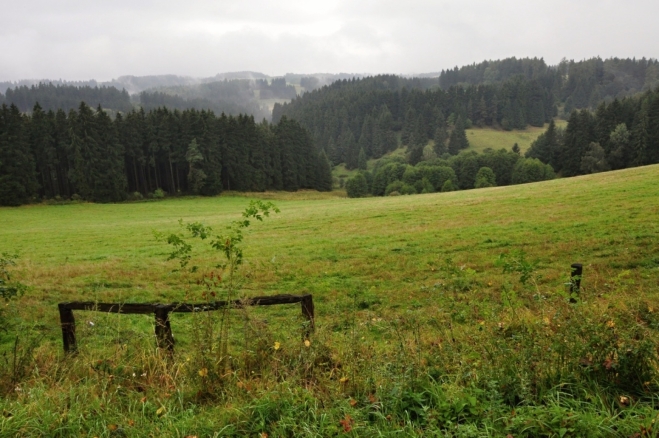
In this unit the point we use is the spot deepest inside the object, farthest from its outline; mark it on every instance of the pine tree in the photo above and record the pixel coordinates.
(366, 136)
(18, 179)
(545, 146)
(578, 136)
(653, 128)
(324, 173)
(196, 176)
(415, 154)
(458, 139)
(110, 182)
(361, 160)
(40, 127)
(440, 141)
(350, 146)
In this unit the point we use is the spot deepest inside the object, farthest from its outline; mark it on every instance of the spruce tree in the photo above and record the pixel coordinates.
(366, 136)
(18, 179)
(440, 141)
(40, 126)
(361, 160)
(458, 139)
(196, 175)
(578, 136)
(324, 172)
(109, 184)
(415, 154)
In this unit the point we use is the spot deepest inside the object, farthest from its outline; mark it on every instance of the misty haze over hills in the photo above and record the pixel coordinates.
(136, 84)
(244, 92)
(584, 84)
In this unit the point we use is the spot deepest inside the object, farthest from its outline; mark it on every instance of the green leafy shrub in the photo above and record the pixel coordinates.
(395, 186)
(485, 178)
(407, 189)
(424, 186)
(529, 170)
(357, 186)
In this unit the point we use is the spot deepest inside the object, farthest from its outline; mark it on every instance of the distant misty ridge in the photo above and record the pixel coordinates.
(232, 93)
(580, 84)
(136, 84)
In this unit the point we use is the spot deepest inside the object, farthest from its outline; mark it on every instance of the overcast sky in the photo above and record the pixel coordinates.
(91, 39)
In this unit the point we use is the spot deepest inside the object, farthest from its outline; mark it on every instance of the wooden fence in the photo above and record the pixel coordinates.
(164, 336)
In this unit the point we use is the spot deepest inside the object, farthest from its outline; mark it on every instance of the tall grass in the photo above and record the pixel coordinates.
(419, 329)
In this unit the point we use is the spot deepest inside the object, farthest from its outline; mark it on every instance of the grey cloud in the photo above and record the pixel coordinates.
(85, 39)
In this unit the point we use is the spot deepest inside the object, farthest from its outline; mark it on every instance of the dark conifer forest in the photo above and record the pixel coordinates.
(620, 134)
(66, 97)
(509, 94)
(54, 144)
(85, 154)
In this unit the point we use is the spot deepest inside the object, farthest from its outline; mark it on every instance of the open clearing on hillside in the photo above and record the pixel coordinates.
(483, 138)
(479, 140)
(419, 328)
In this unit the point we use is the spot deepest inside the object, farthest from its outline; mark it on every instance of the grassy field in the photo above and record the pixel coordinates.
(423, 327)
(479, 140)
(483, 138)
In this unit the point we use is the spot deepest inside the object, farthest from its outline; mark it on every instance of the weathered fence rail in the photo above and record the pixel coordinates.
(163, 329)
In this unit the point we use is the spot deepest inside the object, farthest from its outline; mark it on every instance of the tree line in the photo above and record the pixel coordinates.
(66, 97)
(227, 96)
(86, 154)
(370, 113)
(576, 84)
(617, 135)
(466, 170)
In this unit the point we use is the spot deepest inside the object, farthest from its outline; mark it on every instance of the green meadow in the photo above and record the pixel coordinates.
(446, 314)
(483, 138)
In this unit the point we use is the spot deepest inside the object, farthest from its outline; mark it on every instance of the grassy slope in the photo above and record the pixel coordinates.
(483, 138)
(479, 140)
(561, 221)
(390, 251)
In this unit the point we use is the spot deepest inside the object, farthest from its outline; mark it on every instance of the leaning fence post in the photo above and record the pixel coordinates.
(164, 335)
(68, 323)
(575, 279)
(308, 312)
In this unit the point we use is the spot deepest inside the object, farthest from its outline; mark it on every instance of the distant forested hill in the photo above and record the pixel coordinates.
(350, 115)
(230, 93)
(620, 134)
(577, 84)
(66, 97)
(86, 154)
(235, 96)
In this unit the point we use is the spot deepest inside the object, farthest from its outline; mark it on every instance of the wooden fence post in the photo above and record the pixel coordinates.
(308, 312)
(164, 335)
(575, 280)
(68, 323)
